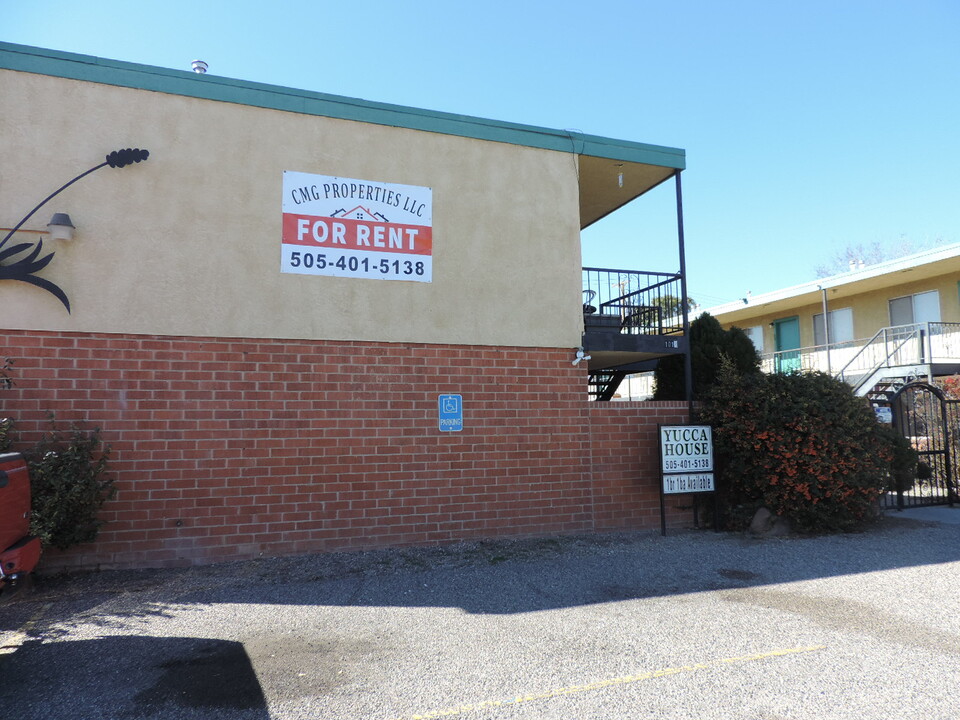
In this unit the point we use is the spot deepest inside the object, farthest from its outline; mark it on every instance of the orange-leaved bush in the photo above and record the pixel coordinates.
(802, 445)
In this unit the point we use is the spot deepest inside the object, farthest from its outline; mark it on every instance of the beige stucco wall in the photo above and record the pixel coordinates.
(870, 309)
(188, 243)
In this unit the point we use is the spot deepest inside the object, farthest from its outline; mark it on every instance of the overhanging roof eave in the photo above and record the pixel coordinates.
(212, 87)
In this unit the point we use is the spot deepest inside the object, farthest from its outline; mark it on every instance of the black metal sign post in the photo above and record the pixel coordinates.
(686, 463)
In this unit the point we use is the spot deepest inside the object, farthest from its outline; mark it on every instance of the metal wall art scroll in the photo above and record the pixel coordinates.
(32, 260)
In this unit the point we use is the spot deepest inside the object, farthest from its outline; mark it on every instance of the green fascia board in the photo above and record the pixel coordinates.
(24, 58)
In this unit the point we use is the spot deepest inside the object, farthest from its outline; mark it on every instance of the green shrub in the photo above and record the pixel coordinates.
(68, 480)
(904, 467)
(802, 445)
(69, 485)
(6, 434)
(6, 382)
(709, 342)
(6, 424)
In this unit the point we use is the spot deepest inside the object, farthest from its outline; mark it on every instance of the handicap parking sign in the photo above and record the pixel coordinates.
(450, 409)
(884, 413)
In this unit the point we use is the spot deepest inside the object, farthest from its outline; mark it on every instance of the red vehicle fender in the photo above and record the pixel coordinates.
(19, 551)
(21, 557)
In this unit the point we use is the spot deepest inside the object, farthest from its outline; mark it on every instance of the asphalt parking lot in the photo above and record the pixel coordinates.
(694, 625)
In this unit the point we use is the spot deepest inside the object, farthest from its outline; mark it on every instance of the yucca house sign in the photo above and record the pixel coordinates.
(686, 458)
(352, 228)
(686, 464)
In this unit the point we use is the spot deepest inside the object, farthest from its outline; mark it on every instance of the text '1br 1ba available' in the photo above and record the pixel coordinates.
(356, 228)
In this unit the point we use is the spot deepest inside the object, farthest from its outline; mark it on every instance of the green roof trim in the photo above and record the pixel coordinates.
(87, 68)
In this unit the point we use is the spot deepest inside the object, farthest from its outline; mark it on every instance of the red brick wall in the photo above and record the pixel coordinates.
(625, 464)
(230, 448)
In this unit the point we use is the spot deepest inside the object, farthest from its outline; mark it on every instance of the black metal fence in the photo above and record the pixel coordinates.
(931, 422)
(643, 303)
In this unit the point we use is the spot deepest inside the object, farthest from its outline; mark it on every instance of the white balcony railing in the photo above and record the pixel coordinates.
(900, 346)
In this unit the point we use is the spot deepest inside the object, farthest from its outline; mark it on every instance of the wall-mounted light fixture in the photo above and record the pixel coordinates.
(60, 227)
(25, 267)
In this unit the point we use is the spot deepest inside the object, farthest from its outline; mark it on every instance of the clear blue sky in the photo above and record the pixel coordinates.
(809, 125)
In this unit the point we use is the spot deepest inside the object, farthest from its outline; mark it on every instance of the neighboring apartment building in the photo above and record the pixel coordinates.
(886, 323)
(309, 322)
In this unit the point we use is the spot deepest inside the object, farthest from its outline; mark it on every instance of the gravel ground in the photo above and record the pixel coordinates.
(630, 625)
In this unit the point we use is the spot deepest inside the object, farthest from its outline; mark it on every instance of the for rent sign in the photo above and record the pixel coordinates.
(356, 228)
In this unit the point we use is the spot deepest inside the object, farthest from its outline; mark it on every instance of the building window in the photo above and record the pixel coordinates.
(755, 334)
(841, 327)
(919, 308)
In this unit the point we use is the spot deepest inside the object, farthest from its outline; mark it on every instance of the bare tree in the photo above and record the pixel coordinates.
(854, 257)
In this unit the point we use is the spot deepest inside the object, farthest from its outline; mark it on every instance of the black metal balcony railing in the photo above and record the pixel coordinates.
(637, 302)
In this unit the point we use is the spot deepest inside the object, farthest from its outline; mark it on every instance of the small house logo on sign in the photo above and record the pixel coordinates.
(356, 228)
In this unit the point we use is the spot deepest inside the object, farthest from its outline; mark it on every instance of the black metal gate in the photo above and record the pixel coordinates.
(931, 422)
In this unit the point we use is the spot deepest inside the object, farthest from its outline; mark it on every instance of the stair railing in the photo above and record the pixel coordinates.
(886, 344)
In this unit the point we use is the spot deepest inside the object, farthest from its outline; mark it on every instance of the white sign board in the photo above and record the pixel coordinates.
(356, 228)
(686, 458)
(688, 483)
(884, 414)
(685, 448)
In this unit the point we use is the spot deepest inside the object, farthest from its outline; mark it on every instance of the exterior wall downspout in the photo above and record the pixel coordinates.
(687, 363)
(826, 329)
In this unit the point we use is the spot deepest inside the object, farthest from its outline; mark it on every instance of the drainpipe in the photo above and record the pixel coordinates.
(687, 364)
(826, 327)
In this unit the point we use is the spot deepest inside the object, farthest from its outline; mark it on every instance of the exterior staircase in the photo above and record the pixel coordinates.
(631, 319)
(884, 382)
(602, 384)
(896, 355)
(883, 391)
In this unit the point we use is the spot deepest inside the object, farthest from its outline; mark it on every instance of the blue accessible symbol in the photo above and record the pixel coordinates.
(451, 413)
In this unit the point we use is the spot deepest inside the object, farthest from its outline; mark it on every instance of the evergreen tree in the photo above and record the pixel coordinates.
(708, 344)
